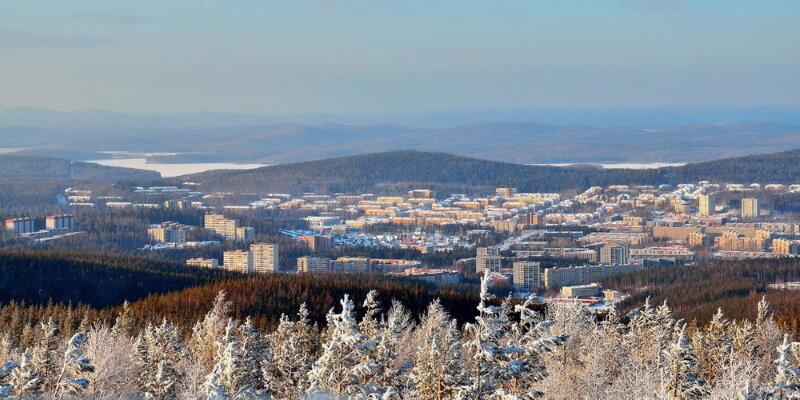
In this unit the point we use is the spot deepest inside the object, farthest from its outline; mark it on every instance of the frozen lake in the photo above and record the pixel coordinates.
(170, 170)
(621, 165)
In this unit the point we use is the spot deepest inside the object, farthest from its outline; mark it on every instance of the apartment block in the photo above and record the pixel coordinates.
(264, 257)
(750, 208)
(222, 226)
(592, 289)
(19, 225)
(317, 244)
(488, 258)
(568, 276)
(245, 234)
(62, 221)
(313, 264)
(614, 254)
(527, 275)
(161, 234)
(203, 262)
(238, 261)
(707, 204)
(350, 265)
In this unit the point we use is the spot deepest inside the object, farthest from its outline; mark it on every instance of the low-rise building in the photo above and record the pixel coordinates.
(592, 289)
(203, 262)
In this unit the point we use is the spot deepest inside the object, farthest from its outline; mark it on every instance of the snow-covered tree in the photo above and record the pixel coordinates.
(334, 372)
(680, 378)
(437, 367)
(71, 379)
(787, 377)
(157, 351)
(284, 374)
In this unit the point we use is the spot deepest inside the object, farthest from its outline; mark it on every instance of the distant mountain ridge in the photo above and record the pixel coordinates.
(402, 170)
(210, 137)
(29, 167)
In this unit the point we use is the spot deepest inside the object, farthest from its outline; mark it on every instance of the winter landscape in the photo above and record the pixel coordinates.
(400, 200)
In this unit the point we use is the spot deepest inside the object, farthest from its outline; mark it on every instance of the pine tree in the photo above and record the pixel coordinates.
(284, 374)
(229, 377)
(680, 377)
(787, 378)
(157, 351)
(333, 373)
(436, 372)
(71, 378)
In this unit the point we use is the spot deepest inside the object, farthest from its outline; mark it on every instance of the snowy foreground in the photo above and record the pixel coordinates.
(509, 353)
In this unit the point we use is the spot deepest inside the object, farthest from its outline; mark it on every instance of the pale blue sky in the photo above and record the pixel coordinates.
(397, 56)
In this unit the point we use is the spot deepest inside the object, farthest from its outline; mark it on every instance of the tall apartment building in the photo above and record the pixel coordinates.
(313, 264)
(707, 204)
(350, 265)
(222, 226)
(63, 221)
(488, 258)
(238, 260)
(614, 254)
(316, 244)
(19, 225)
(749, 208)
(785, 246)
(202, 262)
(264, 257)
(245, 234)
(527, 275)
(161, 234)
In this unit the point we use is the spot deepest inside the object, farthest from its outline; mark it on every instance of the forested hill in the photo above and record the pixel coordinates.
(25, 167)
(400, 170)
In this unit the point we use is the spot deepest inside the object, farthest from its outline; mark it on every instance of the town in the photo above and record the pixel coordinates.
(556, 243)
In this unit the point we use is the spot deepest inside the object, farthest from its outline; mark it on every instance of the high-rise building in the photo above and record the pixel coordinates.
(19, 225)
(614, 254)
(238, 260)
(313, 264)
(707, 204)
(245, 234)
(533, 219)
(749, 208)
(488, 258)
(161, 234)
(222, 226)
(527, 275)
(63, 221)
(265, 257)
(315, 243)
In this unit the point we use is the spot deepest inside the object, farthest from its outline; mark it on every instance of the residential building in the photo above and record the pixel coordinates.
(222, 226)
(245, 234)
(505, 191)
(568, 276)
(161, 234)
(707, 204)
(437, 276)
(315, 243)
(322, 222)
(350, 265)
(488, 258)
(19, 226)
(527, 275)
(749, 208)
(679, 254)
(62, 221)
(238, 260)
(313, 264)
(264, 257)
(735, 241)
(592, 289)
(785, 246)
(615, 254)
(203, 262)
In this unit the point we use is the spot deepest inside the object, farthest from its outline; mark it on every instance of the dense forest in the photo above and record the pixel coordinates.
(373, 349)
(26, 167)
(398, 171)
(695, 292)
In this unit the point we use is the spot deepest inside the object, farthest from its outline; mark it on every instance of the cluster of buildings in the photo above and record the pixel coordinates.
(261, 258)
(228, 228)
(56, 227)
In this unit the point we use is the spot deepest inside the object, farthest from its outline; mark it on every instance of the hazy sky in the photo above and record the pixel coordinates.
(378, 56)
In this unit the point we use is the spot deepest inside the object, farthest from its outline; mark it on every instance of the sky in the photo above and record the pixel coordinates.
(288, 57)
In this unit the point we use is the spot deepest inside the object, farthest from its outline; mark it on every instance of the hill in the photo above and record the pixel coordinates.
(401, 170)
(501, 137)
(95, 279)
(26, 167)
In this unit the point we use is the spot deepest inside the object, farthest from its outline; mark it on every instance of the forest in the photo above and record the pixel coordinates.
(398, 171)
(375, 349)
(737, 287)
